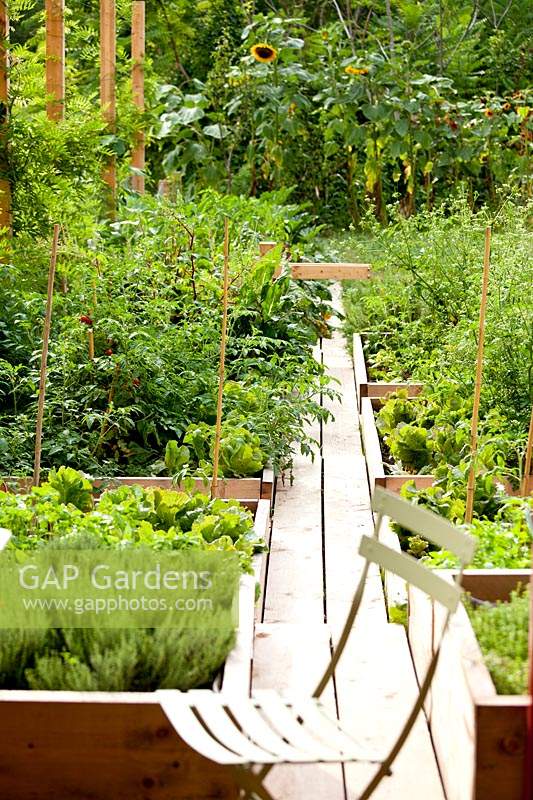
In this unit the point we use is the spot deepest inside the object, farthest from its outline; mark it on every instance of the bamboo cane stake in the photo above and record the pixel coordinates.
(90, 337)
(44, 358)
(527, 461)
(471, 487)
(110, 398)
(218, 429)
(138, 39)
(5, 185)
(108, 55)
(55, 59)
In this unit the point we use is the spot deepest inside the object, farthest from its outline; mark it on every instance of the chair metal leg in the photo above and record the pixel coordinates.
(339, 650)
(385, 768)
(253, 784)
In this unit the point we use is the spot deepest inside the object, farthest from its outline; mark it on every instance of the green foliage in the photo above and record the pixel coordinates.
(129, 516)
(503, 542)
(149, 287)
(348, 120)
(108, 660)
(72, 487)
(410, 447)
(240, 451)
(502, 633)
(398, 108)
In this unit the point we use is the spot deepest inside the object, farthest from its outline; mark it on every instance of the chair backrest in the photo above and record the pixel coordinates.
(428, 525)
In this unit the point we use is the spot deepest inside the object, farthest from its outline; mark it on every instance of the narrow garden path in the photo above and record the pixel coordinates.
(312, 572)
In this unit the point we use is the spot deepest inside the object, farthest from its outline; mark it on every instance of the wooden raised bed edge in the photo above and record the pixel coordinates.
(227, 488)
(327, 271)
(374, 399)
(118, 745)
(374, 456)
(375, 389)
(479, 736)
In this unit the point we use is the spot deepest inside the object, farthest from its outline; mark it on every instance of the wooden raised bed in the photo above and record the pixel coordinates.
(228, 488)
(375, 389)
(117, 746)
(370, 397)
(479, 736)
(374, 456)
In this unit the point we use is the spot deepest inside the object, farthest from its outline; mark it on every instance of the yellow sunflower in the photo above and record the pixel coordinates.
(355, 70)
(264, 53)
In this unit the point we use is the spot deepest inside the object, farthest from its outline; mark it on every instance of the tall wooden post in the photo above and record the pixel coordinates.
(55, 58)
(137, 80)
(108, 56)
(471, 487)
(526, 478)
(222, 363)
(5, 186)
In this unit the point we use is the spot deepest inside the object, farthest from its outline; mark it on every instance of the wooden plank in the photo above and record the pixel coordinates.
(328, 271)
(294, 585)
(369, 433)
(248, 489)
(379, 390)
(291, 658)
(373, 698)
(479, 736)
(359, 366)
(107, 83)
(137, 85)
(228, 488)
(394, 483)
(106, 747)
(5, 185)
(500, 745)
(55, 58)
(268, 480)
(376, 688)
(238, 667)
(347, 515)
(494, 584)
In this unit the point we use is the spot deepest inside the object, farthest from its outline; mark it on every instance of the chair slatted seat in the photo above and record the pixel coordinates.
(251, 735)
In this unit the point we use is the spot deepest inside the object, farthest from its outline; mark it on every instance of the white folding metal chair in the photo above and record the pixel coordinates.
(249, 736)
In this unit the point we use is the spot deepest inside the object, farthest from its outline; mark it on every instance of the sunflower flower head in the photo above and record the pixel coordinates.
(264, 53)
(351, 70)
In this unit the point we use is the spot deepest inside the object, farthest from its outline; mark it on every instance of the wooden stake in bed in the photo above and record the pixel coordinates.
(108, 54)
(44, 358)
(527, 461)
(218, 429)
(471, 488)
(55, 58)
(5, 185)
(137, 82)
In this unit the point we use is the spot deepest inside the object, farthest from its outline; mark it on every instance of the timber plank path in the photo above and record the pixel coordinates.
(312, 572)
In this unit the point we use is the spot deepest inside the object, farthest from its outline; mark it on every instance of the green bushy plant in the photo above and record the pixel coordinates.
(129, 516)
(502, 633)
